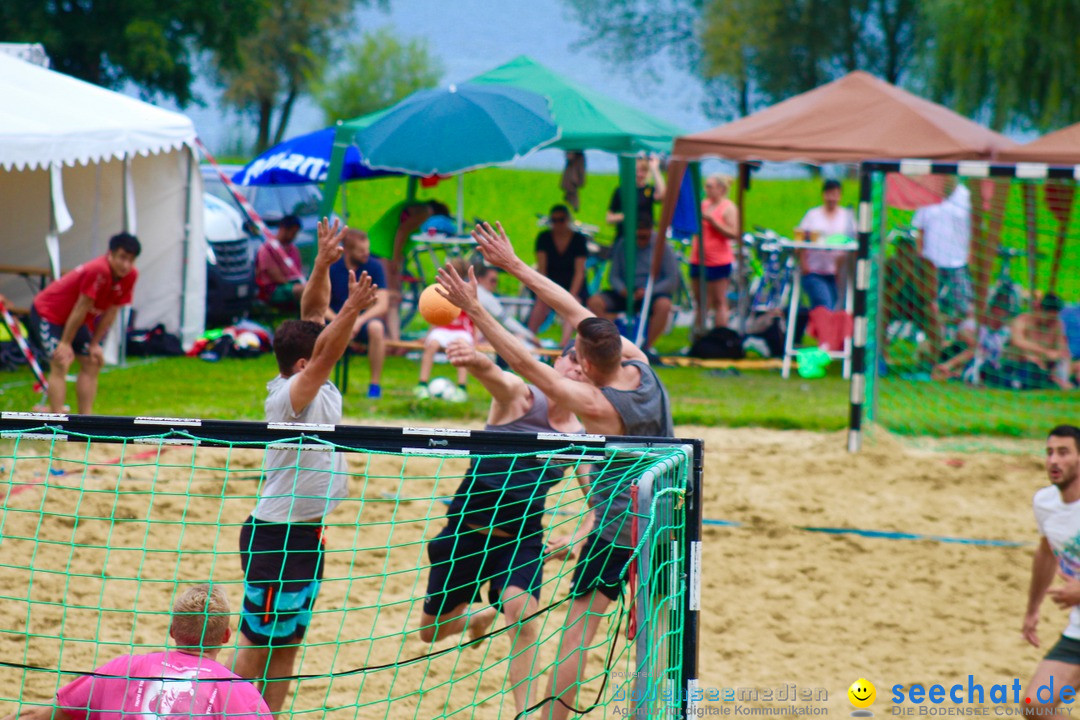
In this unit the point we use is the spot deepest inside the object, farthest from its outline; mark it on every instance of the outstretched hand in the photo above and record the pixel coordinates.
(457, 290)
(494, 245)
(362, 292)
(329, 240)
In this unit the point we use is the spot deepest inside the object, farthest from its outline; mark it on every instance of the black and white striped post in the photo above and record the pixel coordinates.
(861, 320)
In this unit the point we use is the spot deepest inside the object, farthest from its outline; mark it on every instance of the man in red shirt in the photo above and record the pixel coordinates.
(73, 314)
(278, 274)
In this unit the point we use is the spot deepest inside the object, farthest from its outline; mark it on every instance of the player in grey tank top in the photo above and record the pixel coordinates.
(607, 362)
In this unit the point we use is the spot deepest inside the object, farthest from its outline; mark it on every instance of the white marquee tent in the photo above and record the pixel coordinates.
(78, 164)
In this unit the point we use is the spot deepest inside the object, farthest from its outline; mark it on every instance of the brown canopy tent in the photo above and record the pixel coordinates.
(855, 118)
(1061, 147)
(858, 117)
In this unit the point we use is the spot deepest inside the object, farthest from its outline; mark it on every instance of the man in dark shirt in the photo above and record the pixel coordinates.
(369, 328)
(647, 196)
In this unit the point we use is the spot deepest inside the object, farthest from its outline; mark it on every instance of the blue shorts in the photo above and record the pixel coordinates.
(1066, 650)
(712, 272)
(283, 568)
(362, 335)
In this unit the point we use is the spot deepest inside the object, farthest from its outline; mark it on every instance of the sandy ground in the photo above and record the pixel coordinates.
(781, 605)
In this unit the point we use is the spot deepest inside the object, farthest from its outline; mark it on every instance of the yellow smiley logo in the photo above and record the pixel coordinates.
(862, 693)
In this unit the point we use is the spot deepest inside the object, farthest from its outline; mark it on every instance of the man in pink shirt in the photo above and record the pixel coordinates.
(185, 681)
(278, 274)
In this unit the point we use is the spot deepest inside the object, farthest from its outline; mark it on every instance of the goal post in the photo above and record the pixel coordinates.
(103, 518)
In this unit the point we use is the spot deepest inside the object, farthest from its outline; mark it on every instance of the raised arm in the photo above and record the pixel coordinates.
(316, 298)
(658, 178)
(510, 396)
(331, 344)
(582, 399)
(497, 250)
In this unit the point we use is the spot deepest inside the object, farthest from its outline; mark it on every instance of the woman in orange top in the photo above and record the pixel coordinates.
(719, 226)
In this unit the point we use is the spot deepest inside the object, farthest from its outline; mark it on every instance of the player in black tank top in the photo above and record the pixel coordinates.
(494, 531)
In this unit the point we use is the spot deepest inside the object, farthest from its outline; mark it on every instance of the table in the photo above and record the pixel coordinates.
(449, 245)
(796, 295)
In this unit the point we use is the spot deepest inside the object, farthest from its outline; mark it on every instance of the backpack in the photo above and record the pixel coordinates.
(154, 341)
(719, 343)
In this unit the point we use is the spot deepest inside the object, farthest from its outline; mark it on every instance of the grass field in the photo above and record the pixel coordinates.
(177, 387)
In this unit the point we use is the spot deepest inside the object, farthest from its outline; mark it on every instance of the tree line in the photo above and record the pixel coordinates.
(1007, 63)
(264, 54)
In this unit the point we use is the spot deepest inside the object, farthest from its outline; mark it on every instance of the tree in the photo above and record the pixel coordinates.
(1012, 62)
(378, 72)
(750, 52)
(285, 53)
(152, 43)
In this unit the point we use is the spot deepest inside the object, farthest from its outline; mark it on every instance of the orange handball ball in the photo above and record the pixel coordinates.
(436, 309)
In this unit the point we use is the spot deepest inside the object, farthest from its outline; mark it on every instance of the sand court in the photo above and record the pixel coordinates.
(781, 605)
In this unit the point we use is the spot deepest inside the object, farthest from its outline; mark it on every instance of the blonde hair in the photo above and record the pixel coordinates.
(723, 180)
(200, 617)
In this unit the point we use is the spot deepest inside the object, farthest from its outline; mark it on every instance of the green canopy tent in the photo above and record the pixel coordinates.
(589, 120)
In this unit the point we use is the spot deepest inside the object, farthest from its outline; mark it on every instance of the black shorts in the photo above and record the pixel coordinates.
(1066, 650)
(712, 272)
(48, 335)
(463, 560)
(615, 302)
(600, 568)
(283, 567)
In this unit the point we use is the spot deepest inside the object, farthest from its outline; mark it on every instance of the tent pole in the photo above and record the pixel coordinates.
(410, 188)
(628, 198)
(744, 271)
(703, 286)
(185, 246)
(333, 174)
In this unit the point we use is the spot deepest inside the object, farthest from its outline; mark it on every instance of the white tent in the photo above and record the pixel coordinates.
(78, 164)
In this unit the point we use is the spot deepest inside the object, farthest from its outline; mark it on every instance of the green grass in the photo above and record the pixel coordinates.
(234, 389)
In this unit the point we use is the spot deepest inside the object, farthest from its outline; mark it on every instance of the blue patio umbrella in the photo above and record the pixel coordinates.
(302, 160)
(451, 130)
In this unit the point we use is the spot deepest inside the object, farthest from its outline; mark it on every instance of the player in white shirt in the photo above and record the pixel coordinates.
(1057, 513)
(820, 267)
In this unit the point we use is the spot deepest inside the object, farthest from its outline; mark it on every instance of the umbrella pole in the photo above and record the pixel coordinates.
(461, 204)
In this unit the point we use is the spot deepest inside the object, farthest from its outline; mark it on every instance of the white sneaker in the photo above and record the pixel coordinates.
(421, 392)
(457, 395)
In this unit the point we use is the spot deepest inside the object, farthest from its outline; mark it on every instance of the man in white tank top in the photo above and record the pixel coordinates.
(1057, 513)
(281, 544)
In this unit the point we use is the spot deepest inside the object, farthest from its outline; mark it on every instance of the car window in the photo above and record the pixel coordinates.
(276, 201)
(213, 185)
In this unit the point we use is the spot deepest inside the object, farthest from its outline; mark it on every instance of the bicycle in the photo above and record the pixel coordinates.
(771, 290)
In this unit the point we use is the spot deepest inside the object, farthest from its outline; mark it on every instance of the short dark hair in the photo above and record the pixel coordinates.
(599, 342)
(1052, 303)
(294, 340)
(126, 242)
(560, 208)
(438, 208)
(1067, 431)
(830, 184)
(290, 221)
(482, 270)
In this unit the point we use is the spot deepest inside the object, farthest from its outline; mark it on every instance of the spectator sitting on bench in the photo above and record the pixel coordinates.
(278, 274)
(609, 303)
(370, 327)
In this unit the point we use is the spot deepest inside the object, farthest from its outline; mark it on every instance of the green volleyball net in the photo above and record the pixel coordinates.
(944, 353)
(105, 521)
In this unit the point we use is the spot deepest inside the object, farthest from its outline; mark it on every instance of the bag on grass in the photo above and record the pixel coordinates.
(719, 343)
(154, 341)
